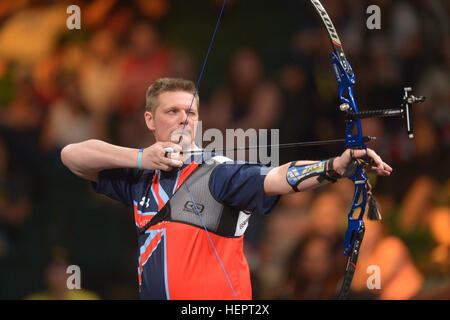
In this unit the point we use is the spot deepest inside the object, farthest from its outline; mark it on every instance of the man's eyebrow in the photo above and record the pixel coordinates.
(174, 106)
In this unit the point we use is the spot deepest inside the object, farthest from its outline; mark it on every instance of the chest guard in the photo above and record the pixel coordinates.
(217, 216)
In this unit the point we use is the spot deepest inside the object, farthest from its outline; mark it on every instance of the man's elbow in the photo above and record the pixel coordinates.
(71, 158)
(66, 154)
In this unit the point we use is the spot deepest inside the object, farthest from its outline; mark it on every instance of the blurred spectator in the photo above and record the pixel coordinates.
(20, 127)
(419, 156)
(45, 75)
(99, 73)
(437, 285)
(285, 227)
(399, 277)
(440, 229)
(326, 216)
(155, 9)
(417, 203)
(6, 83)
(298, 104)
(248, 100)
(407, 42)
(95, 13)
(323, 233)
(182, 65)
(98, 13)
(32, 33)
(9, 6)
(434, 83)
(68, 120)
(24, 114)
(55, 278)
(146, 60)
(15, 201)
(385, 75)
(312, 271)
(132, 131)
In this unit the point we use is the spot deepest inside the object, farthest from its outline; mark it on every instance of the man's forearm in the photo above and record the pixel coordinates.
(86, 159)
(276, 183)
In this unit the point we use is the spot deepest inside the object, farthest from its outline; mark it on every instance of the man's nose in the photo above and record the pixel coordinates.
(183, 117)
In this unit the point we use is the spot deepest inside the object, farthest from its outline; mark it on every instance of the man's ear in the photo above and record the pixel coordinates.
(149, 120)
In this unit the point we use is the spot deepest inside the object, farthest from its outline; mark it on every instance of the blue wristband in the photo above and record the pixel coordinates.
(140, 158)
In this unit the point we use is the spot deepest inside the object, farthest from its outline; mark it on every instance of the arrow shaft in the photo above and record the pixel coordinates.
(280, 146)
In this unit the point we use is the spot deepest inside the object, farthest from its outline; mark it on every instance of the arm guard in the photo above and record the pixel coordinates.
(323, 170)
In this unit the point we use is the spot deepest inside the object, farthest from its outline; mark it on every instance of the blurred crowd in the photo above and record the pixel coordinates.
(268, 69)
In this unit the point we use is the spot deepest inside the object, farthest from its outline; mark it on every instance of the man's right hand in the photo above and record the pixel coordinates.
(154, 157)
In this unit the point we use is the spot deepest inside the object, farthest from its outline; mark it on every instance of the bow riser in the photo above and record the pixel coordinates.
(345, 81)
(353, 140)
(355, 225)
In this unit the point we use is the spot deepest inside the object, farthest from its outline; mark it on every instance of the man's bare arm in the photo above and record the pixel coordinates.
(276, 183)
(86, 159)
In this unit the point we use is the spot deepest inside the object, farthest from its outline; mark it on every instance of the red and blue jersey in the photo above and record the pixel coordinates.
(176, 260)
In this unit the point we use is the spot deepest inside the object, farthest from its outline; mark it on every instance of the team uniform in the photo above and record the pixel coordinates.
(176, 259)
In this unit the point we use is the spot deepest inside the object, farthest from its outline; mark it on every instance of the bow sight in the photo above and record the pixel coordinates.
(404, 111)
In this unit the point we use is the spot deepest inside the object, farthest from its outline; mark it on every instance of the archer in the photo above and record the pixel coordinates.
(191, 225)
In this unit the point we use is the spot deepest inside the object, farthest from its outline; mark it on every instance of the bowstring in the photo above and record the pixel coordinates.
(179, 141)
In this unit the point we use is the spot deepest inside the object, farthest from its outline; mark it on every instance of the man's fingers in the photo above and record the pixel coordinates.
(176, 163)
(376, 164)
(171, 162)
(162, 156)
(165, 167)
(175, 156)
(379, 167)
(382, 172)
(170, 156)
(173, 146)
(375, 159)
(387, 167)
(378, 161)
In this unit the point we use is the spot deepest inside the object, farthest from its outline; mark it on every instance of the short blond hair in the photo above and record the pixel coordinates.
(167, 85)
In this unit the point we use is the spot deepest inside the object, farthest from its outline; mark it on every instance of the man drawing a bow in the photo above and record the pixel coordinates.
(191, 209)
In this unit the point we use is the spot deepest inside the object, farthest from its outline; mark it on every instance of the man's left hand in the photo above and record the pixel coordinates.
(374, 162)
